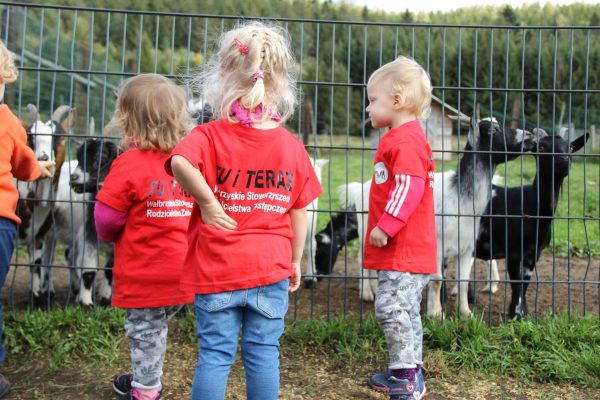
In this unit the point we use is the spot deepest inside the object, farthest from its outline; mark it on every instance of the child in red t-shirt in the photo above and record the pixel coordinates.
(146, 213)
(401, 243)
(16, 161)
(252, 181)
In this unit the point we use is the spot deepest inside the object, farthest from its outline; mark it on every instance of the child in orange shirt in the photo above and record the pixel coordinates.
(16, 161)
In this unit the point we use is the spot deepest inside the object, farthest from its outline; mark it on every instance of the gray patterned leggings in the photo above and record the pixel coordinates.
(146, 330)
(397, 307)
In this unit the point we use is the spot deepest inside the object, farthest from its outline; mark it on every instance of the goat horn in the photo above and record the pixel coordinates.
(91, 127)
(33, 112)
(563, 132)
(59, 113)
(461, 117)
(540, 133)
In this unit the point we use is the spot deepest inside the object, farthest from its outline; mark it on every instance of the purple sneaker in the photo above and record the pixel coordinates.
(402, 388)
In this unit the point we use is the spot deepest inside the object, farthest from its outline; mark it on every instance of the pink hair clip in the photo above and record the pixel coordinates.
(241, 46)
(259, 74)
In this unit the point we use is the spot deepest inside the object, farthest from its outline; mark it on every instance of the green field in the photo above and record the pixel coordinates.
(577, 226)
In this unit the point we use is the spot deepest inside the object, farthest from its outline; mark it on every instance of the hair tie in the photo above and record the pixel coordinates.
(259, 74)
(241, 46)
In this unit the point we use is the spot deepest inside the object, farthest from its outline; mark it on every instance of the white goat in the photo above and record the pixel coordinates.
(37, 198)
(52, 212)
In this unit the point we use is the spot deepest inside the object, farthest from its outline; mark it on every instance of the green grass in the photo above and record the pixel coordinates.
(71, 336)
(552, 349)
(576, 229)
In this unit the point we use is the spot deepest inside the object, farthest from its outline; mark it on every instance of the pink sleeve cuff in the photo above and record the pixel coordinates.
(390, 225)
(109, 222)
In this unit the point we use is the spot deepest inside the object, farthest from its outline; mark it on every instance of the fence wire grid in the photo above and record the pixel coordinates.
(524, 77)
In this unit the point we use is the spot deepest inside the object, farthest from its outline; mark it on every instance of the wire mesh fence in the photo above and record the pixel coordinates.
(519, 78)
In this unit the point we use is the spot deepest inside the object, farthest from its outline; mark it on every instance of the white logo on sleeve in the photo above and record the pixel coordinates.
(381, 173)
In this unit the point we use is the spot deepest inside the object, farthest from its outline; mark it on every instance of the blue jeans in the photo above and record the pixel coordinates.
(260, 313)
(8, 233)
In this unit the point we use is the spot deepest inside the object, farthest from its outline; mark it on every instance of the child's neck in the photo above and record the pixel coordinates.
(401, 117)
(270, 124)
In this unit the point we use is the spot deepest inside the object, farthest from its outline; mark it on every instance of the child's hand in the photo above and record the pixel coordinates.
(295, 279)
(378, 238)
(214, 215)
(44, 165)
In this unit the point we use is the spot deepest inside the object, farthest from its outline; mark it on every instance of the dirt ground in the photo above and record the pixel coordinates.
(303, 377)
(558, 285)
(314, 376)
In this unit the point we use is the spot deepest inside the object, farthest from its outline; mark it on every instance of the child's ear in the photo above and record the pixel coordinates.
(398, 101)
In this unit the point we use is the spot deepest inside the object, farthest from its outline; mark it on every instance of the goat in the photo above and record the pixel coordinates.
(459, 197)
(356, 195)
(36, 204)
(94, 158)
(341, 229)
(310, 245)
(516, 213)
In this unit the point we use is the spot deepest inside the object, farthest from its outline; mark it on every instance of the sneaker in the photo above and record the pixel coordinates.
(4, 386)
(421, 388)
(133, 395)
(122, 384)
(380, 381)
(404, 389)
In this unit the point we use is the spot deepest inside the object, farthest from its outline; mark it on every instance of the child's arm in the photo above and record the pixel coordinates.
(192, 181)
(299, 217)
(109, 221)
(403, 199)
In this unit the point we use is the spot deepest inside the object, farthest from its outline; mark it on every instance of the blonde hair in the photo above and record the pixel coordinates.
(151, 113)
(409, 80)
(230, 76)
(8, 71)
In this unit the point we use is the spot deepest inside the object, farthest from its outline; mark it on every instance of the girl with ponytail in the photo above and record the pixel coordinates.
(252, 181)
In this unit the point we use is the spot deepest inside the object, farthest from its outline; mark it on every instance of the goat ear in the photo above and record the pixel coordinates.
(540, 133)
(67, 124)
(579, 142)
(563, 132)
(473, 132)
(33, 113)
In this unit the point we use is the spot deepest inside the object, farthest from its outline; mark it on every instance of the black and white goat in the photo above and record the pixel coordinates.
(37, 199)
(461, 196)
(339, 231)
(518, 220)
(310, 246)
(94, 158)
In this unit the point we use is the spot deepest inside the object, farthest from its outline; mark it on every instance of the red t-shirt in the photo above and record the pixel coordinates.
(403, 150)
(258, 176)
(150, 250)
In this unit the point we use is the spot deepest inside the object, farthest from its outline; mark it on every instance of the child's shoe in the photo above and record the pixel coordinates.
(134, 394)
(122, 383)
(380, 381)
(403, 389)
(4, 386)
(399, 389)
(421, 388)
